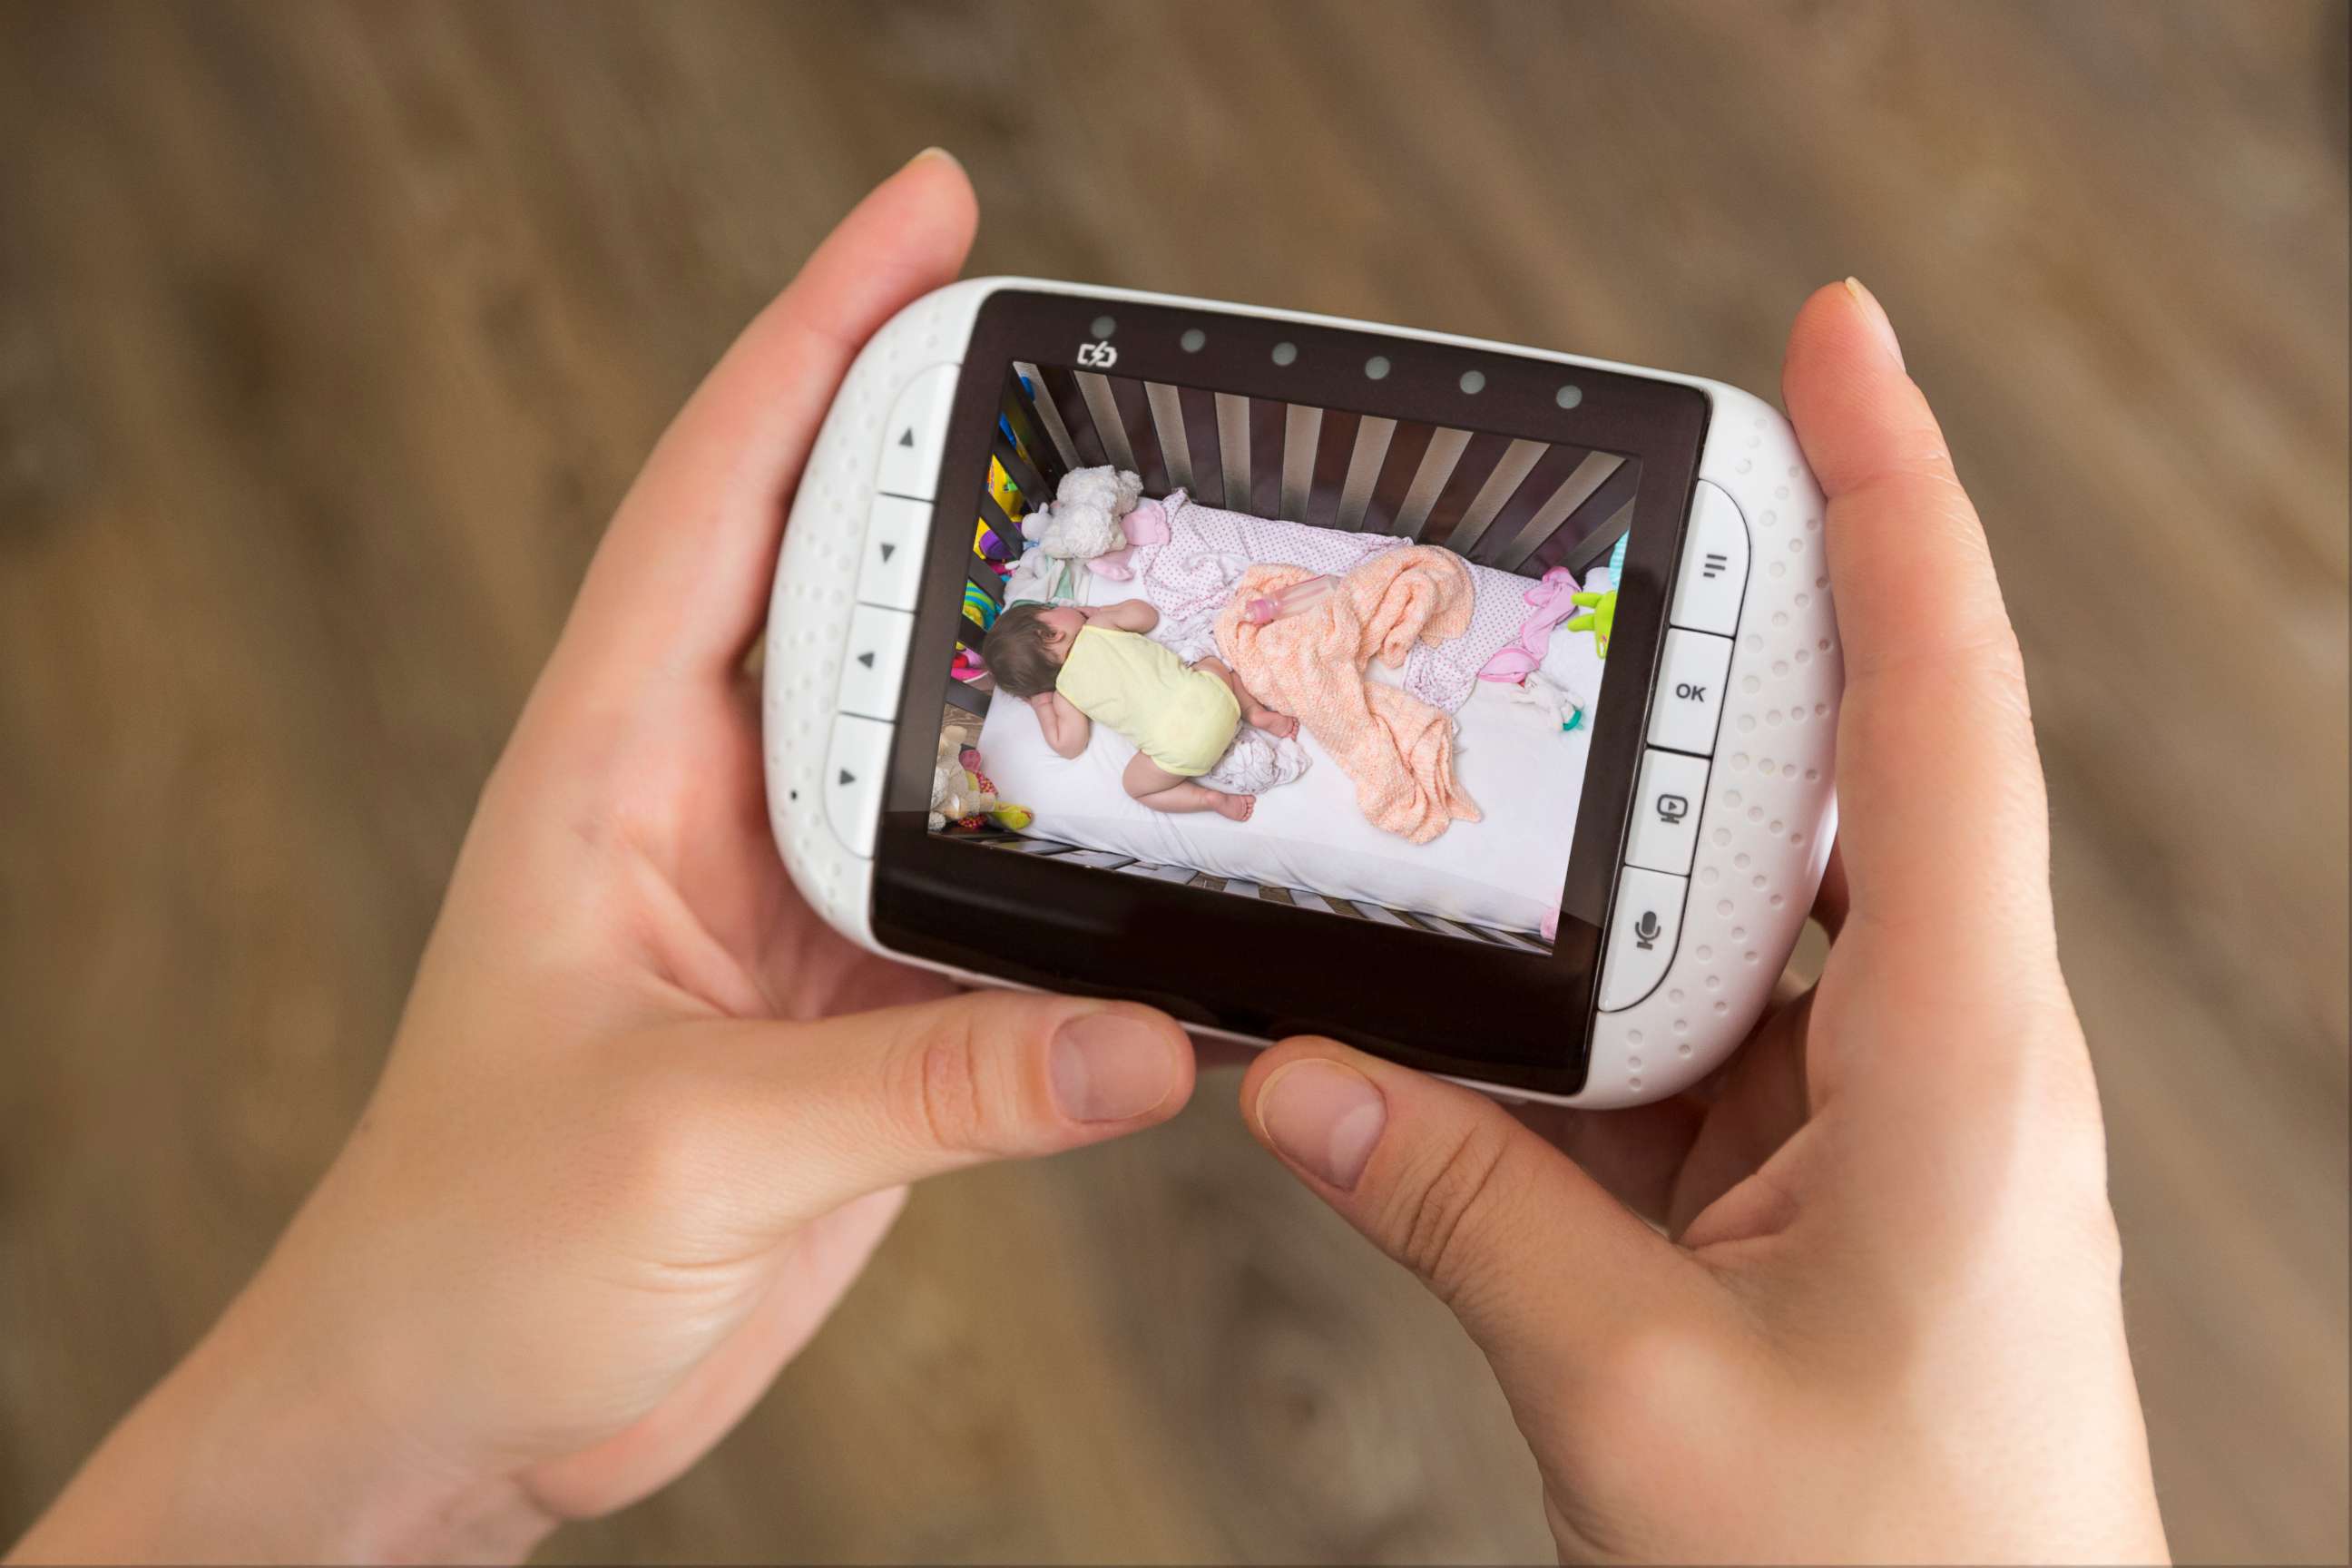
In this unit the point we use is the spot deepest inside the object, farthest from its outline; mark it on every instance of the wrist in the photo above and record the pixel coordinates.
(255, 1450)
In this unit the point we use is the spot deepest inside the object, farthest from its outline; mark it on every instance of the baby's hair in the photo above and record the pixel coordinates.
(1018, 654)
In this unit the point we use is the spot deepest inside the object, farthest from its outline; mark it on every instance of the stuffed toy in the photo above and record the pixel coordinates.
(1083, 521)
(961, 795)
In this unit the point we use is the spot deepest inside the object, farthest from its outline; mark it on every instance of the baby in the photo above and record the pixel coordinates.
(1079, 667)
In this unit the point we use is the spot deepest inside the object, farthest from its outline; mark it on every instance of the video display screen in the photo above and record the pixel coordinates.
(1283, 651)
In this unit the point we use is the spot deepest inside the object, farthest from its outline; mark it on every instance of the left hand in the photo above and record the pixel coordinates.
(645, 1116)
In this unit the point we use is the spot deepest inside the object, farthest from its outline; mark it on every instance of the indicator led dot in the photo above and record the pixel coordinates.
(1285, 354)
(1104, 326)
(1191, 341)
(1377, 367)
(1474, 381)
(1569, 396)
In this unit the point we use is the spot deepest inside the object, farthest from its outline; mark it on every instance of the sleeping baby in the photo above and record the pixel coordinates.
(1079, 667)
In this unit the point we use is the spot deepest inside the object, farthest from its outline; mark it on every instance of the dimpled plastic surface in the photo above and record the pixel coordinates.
(1769, 814)
(816, 586)
(1768, 819)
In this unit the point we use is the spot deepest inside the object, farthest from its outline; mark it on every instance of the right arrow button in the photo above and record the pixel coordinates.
(854, 772)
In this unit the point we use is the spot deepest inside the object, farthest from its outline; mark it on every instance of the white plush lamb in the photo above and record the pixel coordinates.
(1084, 521)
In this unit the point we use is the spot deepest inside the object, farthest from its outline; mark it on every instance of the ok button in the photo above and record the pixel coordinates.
(1688, 700)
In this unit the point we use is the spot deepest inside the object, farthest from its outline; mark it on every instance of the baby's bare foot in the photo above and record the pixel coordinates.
(1281, 726)
(1236, 806)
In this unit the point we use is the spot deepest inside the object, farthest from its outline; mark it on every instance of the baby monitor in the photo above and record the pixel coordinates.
(1470, 704)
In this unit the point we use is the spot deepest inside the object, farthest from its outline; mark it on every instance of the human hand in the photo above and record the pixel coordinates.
(1882, 1322)
(645, 1116)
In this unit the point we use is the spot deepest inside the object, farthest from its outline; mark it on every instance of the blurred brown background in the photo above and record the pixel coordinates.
(328, 336)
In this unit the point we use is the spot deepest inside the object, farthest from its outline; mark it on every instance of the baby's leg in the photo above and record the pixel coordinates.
(1160, 790)
(1255, 714)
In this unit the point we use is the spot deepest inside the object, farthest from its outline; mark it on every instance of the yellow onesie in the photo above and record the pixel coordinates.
(1181, 719)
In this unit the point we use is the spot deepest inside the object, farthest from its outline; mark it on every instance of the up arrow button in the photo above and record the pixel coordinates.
(910, 459)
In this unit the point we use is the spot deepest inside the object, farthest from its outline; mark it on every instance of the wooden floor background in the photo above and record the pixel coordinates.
(328, 336)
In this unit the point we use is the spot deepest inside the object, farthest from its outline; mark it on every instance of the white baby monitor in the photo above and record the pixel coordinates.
(1537, 793)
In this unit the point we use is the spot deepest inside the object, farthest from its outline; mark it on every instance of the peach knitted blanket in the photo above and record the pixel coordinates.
(1397, 747)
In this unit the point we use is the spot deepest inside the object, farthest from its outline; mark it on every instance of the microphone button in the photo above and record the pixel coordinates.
(1643, 928)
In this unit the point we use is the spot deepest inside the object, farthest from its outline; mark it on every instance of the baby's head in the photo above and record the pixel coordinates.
(1024, 649)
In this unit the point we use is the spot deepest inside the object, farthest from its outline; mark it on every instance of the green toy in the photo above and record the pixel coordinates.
(1600, 619)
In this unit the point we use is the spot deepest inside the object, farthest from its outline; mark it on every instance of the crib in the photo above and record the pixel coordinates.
(1515, 505)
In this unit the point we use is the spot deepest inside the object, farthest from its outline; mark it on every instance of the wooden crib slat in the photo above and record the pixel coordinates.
(1372, 436)
(1050, 416)
(1098, 859)
(1517, 460)
(1233, 447)
(1006, 529)
(1110, 430)
(1158, 873)
(1027, 479)
(1302, 426)
(1429, 481)
(1168, 420)
(1020, 413)
(1593, 529)
(1573, 492)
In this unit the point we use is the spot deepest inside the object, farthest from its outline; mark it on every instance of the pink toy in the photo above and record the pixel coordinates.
(1553, 600)
(1147, 524)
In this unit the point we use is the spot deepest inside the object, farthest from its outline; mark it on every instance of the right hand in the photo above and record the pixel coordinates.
(1883, 1321)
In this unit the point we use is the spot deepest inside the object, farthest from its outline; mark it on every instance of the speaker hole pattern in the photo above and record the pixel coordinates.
(1764, 831)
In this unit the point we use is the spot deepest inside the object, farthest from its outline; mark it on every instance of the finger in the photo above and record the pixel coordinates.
(1943, 818)
(802, 1118)
(680, 583)
(1764, 1098)
(1832, 903)
(1633, 1153)
(1543, 1267)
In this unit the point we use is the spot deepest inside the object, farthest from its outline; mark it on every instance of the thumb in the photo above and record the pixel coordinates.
(803, 1117)
(1546, 1271)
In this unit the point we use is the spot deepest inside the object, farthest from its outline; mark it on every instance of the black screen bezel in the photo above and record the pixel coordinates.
(1249, 966)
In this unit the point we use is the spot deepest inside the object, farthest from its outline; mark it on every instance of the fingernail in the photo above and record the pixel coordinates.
(1108, 1067)
(1876, 314)
(935, 152)
(1325, 1117)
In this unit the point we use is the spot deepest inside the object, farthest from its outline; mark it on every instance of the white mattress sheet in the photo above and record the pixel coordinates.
(1505, 871)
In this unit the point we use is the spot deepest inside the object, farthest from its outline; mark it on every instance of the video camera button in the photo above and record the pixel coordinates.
(856, 765)
(1687, 703)
(891, 574)
(1642, 931)
(917, 430)
(1666, 800)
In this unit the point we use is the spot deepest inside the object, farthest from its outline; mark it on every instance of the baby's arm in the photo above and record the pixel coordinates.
(1127, 616)
(1067, 729)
